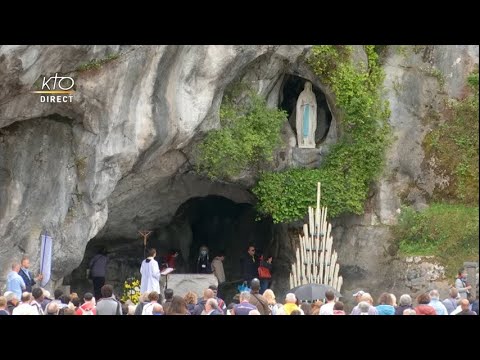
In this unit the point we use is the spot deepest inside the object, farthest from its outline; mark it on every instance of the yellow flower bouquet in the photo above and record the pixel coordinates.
(131, 290)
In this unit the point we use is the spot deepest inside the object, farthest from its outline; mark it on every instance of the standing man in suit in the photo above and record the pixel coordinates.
(27, 275)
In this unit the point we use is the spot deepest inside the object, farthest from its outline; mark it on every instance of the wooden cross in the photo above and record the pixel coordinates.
(145, 234)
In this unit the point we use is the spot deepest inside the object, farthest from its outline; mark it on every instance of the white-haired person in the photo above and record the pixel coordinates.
(366, 297)
(212, 308)
(363, 308)
(24, 308)
(409, 312)
(244, 307)
(12, 301)
(404, 303)
(435, 302)
(254, 312)
(46, 299)
(290, 305)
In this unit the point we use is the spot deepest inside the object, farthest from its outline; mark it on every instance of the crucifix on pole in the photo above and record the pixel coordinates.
(145, 234)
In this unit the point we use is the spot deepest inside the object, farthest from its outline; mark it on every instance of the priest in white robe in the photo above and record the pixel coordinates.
(150, 273)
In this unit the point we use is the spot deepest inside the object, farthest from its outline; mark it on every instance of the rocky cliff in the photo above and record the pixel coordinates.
(118, 158)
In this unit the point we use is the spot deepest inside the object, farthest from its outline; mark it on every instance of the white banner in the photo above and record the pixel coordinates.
(46, 259)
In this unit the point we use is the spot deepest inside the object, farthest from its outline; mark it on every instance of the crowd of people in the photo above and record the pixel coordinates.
(39, 302)
(23, 298)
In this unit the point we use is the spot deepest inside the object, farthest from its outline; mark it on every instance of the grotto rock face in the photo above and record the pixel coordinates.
(120, 157)
(367, 256)
(116, 151)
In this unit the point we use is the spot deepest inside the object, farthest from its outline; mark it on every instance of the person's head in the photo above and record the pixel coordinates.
(462, 273)
(152, 253)
(290, 298)
(153, 296)
(329, 295)
(251, 250)
(434, 295)
(37, 295)
(296, 312)
(107, 291)
(366, 297)
(191, 298)
(338, 306)
(177, 306)
(254, 312)
(244, 296)
(76, 302)
(11, 297)
(3, 302)
(210, 305)
(25, 262)
(270, 296)
(363, 306)
(65, 299)
(306, 307)
(26, 297)
(385, 299)
(409, 312)
(221, 255)
(465, 304)
(68, 311)
(208, 294)
(405, 300)
(46, 293)
(168, 294)
(203, 250)
(394, 299)
(57, 294)
(157, 309)
(16, 267)
(173, 252)
(423, 299)
(358, 295)
(144, 297)
(214, 288)
(453, 293)
(88, 296)
(255, 285)
(52, 308)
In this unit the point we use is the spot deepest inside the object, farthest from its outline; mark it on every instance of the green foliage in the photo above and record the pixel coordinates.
(449, 232)
(249, 134)
(455, 147)
(352, 163)
(96, 64)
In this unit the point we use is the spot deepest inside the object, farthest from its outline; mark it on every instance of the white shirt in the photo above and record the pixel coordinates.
(327, 309)
(25, 309)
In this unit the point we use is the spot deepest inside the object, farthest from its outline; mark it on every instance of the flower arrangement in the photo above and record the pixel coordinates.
(131, 290)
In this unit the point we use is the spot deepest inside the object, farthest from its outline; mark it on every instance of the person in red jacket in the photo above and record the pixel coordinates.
(172, 258)
(423, 308)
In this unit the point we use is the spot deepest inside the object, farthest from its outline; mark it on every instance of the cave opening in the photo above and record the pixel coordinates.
(292, 87)
(214, 221)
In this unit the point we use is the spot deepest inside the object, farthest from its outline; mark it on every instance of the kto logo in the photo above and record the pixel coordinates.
(62, 86)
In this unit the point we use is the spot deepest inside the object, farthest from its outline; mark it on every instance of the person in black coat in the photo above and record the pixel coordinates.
(249, 265)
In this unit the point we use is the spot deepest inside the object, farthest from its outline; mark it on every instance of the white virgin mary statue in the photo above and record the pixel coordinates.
(306, 120)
